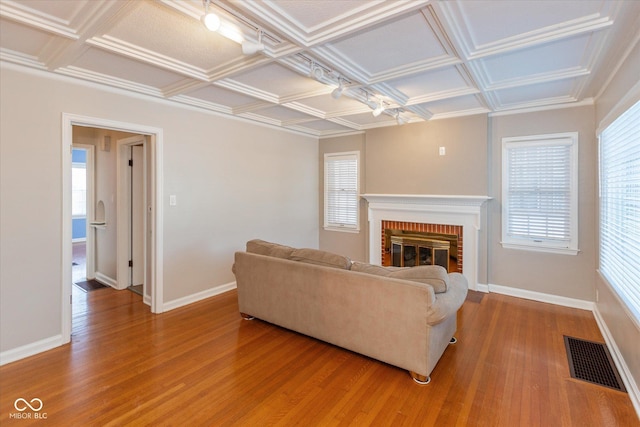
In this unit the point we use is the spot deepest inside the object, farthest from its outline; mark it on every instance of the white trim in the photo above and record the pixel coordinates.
(541, 297)
(465, 211)
(627, 101)
(199, 296)
(31, 349)
(528, 242)
(156, 145)
(106, 280)
(618, 359)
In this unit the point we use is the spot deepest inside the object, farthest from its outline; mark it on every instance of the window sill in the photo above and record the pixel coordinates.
(342, 229)
(547, 249)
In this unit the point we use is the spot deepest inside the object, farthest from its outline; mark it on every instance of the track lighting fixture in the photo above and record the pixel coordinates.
(379, 109)
(250, 48)
(316, 71)
(401, 119)
(337, 92)
(210, 19)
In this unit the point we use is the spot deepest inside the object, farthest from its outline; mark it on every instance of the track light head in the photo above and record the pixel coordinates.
(316, 71)
(210, 19)
(250, 48)
(337, 92)
(379, 109)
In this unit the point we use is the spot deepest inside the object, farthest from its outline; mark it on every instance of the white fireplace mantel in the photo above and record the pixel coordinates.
(465, 211)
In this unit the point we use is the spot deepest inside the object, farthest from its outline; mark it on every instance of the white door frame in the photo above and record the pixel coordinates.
(156, 218)
(90, 231)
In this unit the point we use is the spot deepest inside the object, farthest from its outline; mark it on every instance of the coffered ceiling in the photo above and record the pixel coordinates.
(422, 60)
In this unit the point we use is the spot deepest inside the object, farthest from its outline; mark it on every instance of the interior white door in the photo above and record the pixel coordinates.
(137, 215)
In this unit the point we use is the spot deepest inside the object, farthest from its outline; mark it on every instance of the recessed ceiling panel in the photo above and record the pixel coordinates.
(491, 21)
(401, 42)
(277, 79)
(324, 126)
(221, 96)
(22, 39)
(560, 90)
(328, 104)
(282, 113)
(549, 58)
(446, 106)
(431, 82)
(126, 69)
(161, 30)
(310, 15)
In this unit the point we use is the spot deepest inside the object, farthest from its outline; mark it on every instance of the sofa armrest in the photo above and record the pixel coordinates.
(447, 303)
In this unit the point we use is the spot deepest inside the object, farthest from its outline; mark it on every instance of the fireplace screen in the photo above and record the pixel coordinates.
(411, 250)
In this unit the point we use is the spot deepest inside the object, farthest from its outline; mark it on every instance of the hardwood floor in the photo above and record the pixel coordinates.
(203, 365)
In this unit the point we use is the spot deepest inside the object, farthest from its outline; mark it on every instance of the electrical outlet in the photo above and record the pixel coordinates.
(442, 151)
(173, 200)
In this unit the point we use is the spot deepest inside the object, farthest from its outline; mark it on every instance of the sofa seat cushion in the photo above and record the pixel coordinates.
(262, 247)
(323, 258)
(433, 275)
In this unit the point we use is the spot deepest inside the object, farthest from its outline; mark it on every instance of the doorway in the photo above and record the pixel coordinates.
(152, 246)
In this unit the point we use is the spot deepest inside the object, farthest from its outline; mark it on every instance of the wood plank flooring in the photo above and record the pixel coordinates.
(202, 365)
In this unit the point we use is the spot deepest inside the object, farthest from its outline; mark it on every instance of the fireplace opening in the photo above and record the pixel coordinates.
(407, 244)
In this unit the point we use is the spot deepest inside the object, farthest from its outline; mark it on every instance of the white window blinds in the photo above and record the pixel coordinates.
(540, 192)
(620, 207)
(341, 195)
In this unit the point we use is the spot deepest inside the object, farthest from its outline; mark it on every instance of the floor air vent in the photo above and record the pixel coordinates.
(590, 361)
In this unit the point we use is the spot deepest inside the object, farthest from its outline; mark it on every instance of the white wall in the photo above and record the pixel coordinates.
(233, 180)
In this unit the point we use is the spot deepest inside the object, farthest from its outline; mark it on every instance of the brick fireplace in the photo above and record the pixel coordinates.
(452, 215)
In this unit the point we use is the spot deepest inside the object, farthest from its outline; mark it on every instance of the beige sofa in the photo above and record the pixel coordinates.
(402, 316)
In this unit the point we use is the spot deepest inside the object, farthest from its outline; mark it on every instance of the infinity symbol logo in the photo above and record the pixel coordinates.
(20, 403)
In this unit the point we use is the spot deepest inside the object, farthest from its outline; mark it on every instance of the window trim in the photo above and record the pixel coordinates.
(543, 245)
(628, 296)
(343, 228)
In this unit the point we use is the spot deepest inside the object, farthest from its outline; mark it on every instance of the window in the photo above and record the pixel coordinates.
(620, 207)
(79, 189)
(540, 193)
(341, 191)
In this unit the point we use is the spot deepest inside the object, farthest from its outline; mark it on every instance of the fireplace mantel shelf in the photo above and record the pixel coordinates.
(427, 199)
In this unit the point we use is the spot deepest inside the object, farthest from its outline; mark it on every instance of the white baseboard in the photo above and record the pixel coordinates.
(623, 369)
(541, 297)
(30, 349)
(481, 287)
(189, 299)
(106, 280)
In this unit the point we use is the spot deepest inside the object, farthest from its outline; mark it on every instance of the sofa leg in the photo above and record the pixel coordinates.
(420, 379)
(453, 340)
(246, 316)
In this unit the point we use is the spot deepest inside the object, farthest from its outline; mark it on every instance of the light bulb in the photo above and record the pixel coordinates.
(211, 21)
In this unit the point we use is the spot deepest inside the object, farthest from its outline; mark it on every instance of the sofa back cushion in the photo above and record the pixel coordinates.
(323, 258)
(261, 247)
(433, 275)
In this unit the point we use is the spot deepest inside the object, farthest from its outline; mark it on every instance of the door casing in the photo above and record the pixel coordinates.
(156, 213)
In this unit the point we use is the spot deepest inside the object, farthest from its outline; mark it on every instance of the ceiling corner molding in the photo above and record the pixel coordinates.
(8, 55)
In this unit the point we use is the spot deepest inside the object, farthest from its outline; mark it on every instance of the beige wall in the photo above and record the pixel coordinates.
(233, 180)
(353, 245)
(622, 92)
(405, 160)
(563, 275)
